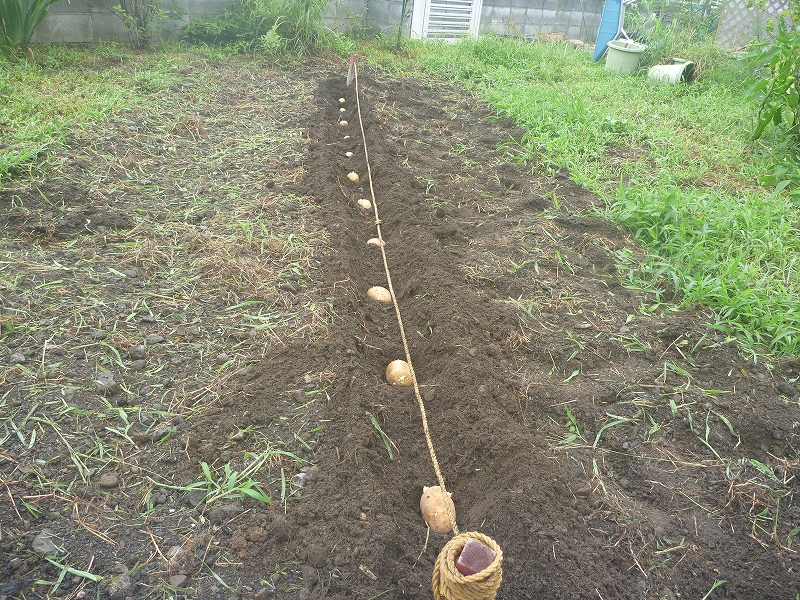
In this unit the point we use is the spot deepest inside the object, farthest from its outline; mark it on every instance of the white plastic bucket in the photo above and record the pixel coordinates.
(680, 71)
(624, 56)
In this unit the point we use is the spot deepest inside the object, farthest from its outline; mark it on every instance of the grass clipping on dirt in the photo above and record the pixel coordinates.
(168, 255)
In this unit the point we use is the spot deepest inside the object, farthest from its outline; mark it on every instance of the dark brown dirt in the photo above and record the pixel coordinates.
(613, 449)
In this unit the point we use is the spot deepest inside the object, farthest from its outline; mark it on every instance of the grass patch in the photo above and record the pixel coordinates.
(738, 254)
(676, 165)
(68, 90)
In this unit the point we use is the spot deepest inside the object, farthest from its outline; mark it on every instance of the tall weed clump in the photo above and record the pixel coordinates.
(18, 20)
(269, 26)
(669, 28)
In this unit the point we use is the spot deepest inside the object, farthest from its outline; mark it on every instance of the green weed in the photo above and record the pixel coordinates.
(387, 442)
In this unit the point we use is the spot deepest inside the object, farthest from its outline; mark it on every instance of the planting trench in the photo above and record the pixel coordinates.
(615, 522)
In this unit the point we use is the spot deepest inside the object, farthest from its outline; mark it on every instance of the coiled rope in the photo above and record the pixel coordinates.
(448, 582)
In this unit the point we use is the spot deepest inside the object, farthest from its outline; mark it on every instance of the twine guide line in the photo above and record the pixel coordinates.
(439, 476)
(448, 583)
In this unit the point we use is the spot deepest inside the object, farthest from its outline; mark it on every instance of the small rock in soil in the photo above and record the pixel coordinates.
(44, 544)
(175, 556)
(300, 479)
(138, 365)
(17, 358)
(195, 498)
(264, 593)
(222, 358)
(154, 338)
(106, 385)
(583, 491)
(138, 352)
(786, 389)
(120, 587)
(220, 513)
(288, 287)
(108, 480)
(99, 335)
(148, 319)
(159, 433)
(178, 580)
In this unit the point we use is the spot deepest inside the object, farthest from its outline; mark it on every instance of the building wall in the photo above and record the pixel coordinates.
(576, 19)
(85, 21)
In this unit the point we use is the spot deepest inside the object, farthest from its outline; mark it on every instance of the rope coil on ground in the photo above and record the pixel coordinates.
(448, 582)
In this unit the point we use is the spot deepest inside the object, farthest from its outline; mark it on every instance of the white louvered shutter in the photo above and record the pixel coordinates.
(445, 19)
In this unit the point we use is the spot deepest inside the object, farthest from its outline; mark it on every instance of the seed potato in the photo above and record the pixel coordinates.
(381, 294)
(432, 507)
(398, 373)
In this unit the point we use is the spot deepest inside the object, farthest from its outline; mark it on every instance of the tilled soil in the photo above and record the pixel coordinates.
(612, 448)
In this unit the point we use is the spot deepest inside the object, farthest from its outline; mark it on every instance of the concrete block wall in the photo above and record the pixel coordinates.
(576, 19)
(384, 16)
(350, 15)
(87, 21)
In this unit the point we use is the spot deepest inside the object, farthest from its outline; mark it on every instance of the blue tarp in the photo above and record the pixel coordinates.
(610, 26)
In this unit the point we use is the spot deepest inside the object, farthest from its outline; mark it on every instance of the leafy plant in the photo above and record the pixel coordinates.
(777, 92)
(139, 16)
(387, 443)
(18, 20)
(778, 95)
(267, 26)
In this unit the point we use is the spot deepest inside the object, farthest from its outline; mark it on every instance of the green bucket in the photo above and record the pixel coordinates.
(624, 56)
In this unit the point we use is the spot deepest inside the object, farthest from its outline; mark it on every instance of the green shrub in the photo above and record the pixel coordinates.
(268, 26)
(138, 17)
(776, 68)
(669, 28)
(18, 20)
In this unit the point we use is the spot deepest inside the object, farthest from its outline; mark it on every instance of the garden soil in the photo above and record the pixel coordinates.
(615, 448)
